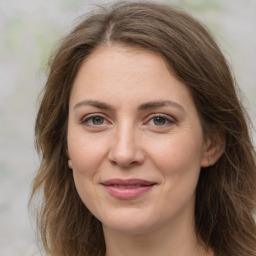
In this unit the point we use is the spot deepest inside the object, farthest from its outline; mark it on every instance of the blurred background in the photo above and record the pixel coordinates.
(29, 31)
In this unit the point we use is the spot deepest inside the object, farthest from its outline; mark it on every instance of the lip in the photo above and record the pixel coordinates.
(127, 189)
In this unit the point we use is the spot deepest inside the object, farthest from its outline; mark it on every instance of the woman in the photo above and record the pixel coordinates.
(145, 145)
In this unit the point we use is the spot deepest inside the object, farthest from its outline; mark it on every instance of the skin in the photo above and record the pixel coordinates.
(114, 133)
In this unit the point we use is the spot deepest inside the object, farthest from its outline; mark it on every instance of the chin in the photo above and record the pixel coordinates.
(129, 228)
(130, 222)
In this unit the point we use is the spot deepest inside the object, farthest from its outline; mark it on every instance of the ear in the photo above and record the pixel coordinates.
(69, 160)
(214, 147)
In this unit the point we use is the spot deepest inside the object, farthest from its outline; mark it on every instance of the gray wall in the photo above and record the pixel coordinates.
(29, 29)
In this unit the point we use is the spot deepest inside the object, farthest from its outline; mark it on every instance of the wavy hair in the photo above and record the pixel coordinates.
(226, 191)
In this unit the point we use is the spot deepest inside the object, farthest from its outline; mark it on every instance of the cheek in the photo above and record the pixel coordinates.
(177, 151)
(179, 161)
(87, 156)
(86, 153)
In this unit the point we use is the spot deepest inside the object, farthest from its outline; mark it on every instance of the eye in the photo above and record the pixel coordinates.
(160, 120)
(97, 120)
(94, 120)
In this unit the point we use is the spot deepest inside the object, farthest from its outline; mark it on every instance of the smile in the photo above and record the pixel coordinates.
(128, 186)
(127, 189)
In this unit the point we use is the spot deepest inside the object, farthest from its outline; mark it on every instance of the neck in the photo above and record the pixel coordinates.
(159, 242)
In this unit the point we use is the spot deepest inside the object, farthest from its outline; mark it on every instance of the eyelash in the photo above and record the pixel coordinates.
(167, 120)
(88, 120)
(91, 117)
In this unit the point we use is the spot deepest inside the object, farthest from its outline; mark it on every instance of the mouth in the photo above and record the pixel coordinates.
(127, 189)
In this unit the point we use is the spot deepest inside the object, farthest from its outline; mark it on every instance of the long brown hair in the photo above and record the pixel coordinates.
(226, 191)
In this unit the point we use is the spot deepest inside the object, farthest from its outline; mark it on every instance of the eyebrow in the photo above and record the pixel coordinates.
(157, 104)
(94, 103)
(144, 106)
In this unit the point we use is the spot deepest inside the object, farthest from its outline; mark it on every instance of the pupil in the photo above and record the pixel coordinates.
(97, 120)
(159, 120)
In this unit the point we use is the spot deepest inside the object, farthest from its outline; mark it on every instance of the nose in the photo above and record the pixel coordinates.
(125, 150)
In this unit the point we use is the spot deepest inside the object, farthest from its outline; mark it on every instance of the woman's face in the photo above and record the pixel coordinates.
(135, 141)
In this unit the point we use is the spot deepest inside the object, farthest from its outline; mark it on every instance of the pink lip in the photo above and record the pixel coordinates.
(127, 189)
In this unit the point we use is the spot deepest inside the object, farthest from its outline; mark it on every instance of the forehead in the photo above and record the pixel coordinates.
(125, 60)
(127, 73)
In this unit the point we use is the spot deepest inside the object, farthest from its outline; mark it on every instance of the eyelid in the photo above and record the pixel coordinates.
(168, 118)
(89, 116)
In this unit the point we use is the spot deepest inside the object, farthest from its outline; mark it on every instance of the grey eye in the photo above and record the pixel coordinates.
(159, 120)
(97, 120)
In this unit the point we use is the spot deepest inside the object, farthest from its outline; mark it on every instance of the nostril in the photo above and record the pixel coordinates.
(126, 160)
(125, 165)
